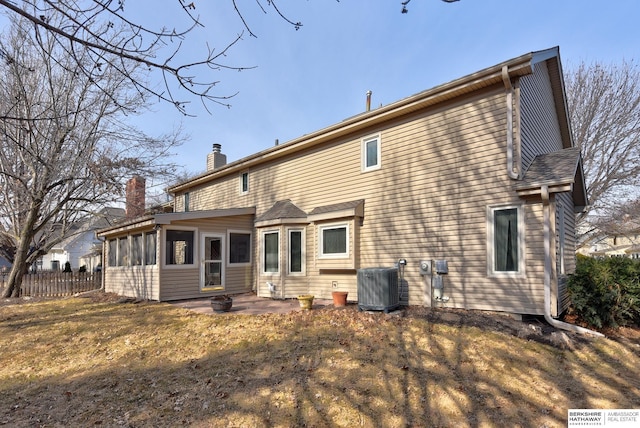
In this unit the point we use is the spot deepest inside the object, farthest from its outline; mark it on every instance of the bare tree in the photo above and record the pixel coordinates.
(100, 33)
(604, 106)
(65, 146)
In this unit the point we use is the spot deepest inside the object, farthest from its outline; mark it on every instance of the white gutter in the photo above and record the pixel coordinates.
(509, 88)
(546, 207)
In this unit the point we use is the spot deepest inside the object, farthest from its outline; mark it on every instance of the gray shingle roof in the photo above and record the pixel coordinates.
(282, 209)
(553, 168)
(336, 207)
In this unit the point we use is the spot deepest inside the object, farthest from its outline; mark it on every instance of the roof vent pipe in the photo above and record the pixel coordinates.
(369, 100)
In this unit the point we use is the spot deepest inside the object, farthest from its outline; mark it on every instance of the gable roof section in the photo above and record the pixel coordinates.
(488, 77)
(282, 212)
(560, 171)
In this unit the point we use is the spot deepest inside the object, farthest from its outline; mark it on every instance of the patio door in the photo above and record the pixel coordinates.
(212, 264)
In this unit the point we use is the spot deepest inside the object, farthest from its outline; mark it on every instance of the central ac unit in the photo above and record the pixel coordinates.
(378, 289)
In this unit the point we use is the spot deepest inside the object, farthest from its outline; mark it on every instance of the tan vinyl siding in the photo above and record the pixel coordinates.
(440, 169)
(540, 130)
(139, 282)
(569, 249)
(133, 281)
(180, 282)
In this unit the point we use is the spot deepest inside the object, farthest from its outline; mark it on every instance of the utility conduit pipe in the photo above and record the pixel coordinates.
(509, 88)
(546, 208)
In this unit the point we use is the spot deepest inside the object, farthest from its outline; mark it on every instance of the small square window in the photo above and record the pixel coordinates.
(334, 241)
(239, 247)
(179, 247)
(371, 153)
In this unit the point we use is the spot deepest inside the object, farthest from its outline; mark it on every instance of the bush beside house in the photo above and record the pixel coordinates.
(606, 292)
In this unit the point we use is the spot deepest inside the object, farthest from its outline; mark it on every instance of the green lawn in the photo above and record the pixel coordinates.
(81, 362)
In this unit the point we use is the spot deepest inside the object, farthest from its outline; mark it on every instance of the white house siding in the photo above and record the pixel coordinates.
(539, 119)
(440, 169)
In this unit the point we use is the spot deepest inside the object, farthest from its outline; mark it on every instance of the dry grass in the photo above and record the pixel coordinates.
(80, 362)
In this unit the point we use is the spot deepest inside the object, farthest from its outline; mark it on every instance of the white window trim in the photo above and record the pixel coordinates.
(303, 267)
(324, 227)
(242, 191)
(246, 232)
(520, 273)
(163, 254)
(262, 249)
(363, 150)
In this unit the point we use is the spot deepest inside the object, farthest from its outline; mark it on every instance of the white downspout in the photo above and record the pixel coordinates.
(546, 207)
(509, 87)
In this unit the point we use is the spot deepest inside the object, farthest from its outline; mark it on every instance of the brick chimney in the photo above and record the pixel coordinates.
(215, 159)
(135, 194)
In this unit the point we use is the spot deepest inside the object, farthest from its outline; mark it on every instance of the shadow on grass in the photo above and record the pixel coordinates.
(154, 365)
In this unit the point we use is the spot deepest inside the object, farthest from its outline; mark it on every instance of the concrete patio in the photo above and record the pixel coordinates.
(250, 304)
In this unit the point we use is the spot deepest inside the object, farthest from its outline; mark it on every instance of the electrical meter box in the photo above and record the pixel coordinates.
(425, 267)
(442, 267)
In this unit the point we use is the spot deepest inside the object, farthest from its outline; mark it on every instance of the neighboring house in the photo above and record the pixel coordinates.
(622, 242)
(480, 172)
(82, 247)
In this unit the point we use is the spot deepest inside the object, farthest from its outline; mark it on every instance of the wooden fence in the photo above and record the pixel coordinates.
(56, 284)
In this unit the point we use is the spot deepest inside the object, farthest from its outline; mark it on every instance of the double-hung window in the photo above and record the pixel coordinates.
(296, 251)
(271, 252)
(506, 240)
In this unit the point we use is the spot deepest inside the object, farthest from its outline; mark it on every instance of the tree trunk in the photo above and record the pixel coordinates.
(18, 270)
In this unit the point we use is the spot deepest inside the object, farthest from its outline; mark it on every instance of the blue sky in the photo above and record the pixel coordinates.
(308, 79)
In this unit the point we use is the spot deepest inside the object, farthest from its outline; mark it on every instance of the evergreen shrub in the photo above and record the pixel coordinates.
(606, 292)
